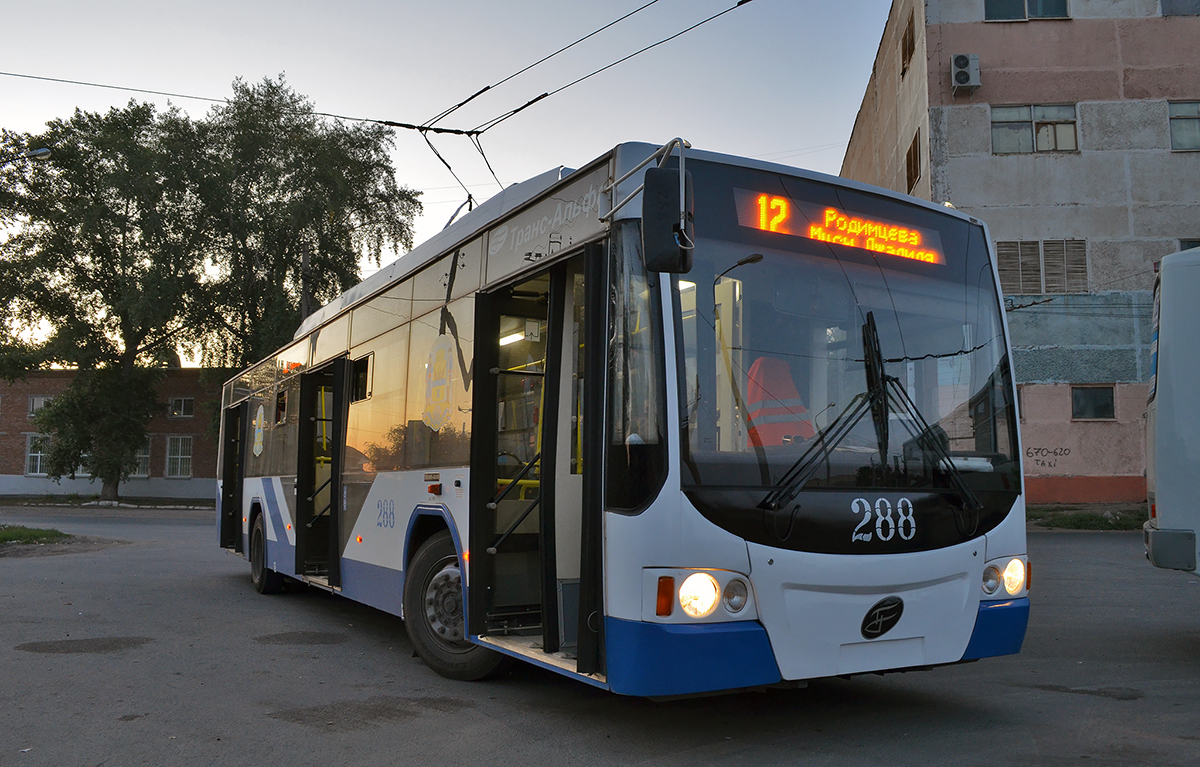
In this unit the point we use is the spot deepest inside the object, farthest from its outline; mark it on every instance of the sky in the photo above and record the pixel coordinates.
(778, 80)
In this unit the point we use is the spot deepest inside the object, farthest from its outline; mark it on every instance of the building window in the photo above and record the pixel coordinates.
(1181, 7)
(1092, 403)
(182, 407)
(1185, 126)
(908, 44)
(1030, 267)
(913, 161)
(1026, 129)
(36, 404)
(1020, 10)
(35, 454)
(142, 470)
(1189, 244)
(179, 457)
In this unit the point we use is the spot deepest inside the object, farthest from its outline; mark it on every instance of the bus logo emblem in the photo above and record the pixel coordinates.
(439, 374)
(882, 617)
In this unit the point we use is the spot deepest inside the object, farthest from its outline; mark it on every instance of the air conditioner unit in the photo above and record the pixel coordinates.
(964, 71)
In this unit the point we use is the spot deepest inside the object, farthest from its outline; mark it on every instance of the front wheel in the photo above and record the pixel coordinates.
(433, 613)
(265, 580)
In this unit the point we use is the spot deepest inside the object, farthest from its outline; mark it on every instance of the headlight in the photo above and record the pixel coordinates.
(735, 595)
(699, 594)
(1014, 577)
(991, 579)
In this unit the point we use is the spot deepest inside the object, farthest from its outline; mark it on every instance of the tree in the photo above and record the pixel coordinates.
(99, 423)
(300, 201)
(148, 232)
(105, 272)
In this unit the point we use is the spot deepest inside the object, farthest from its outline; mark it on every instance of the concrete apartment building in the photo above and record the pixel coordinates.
(1072, 128)
(179, 460)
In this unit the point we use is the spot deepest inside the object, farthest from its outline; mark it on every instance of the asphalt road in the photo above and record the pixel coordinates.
(158, 651)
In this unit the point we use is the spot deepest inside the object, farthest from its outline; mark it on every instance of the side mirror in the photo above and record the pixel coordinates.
(663, 249)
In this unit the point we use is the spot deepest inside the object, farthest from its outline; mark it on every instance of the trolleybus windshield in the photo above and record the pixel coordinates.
(786, 272)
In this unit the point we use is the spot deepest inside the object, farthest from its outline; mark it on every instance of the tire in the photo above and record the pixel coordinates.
(433, 614)
(265, 580)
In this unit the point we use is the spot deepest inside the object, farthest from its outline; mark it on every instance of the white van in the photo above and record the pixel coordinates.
(1172, 425)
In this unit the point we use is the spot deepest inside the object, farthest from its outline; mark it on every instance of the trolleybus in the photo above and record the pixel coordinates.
(671, 423)
(1172, 436)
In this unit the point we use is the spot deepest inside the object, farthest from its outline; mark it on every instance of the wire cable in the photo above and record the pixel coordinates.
(486, 126)
(542, 60)
(128, 89)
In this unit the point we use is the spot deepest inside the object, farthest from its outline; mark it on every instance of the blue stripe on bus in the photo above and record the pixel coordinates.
(285, 559)
(999, 629)
(655, 659)
(374, 585)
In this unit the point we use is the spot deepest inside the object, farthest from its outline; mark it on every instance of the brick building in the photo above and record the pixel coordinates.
(178, 461)
(1072, 129)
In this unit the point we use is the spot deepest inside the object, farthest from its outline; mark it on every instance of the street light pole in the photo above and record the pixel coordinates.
(29, 154)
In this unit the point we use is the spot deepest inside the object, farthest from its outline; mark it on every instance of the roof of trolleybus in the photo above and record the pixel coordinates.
(510, 202)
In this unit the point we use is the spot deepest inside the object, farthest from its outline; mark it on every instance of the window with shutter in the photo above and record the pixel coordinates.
(908, 44)
(1030, 267)
(1008, 263)
(913, 161)
(1076, 266)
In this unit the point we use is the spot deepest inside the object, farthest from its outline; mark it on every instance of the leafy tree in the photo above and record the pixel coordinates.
(148, 232)
(293, 187)
(98, 423)
(105, 272)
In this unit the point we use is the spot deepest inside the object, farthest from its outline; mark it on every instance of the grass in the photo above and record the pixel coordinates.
(30, 535)
(1087, 517)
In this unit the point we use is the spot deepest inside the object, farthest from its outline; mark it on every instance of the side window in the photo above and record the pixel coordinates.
(281, 402)
(1037, 128)
(376, 433)
(1092, 403)
(1185, 126)
(637, 447)
(179, 457)
(913, 161)
(438, 411)
(35, 454)
(1181, 7)
(182, 407)
(360, 379)
(1020, 10)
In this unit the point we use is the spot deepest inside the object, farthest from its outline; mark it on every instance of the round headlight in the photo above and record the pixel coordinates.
(991, 579)
(735, 595)
(699, 594)
(1014, 577)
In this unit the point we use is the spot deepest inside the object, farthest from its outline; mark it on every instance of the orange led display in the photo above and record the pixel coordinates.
(773, 214)
(783, 215)
(876, 236)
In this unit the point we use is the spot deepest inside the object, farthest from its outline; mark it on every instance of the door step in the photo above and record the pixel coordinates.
(531, 647)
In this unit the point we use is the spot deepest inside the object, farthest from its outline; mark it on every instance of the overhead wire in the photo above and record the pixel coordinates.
(489, 124)
(152, 92)
(429, 126)
(445, 113)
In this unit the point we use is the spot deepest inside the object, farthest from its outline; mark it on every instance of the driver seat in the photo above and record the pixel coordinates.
(776, 413)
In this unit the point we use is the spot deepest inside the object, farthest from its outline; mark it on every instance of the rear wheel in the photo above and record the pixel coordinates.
(433, 613)
(265, 580)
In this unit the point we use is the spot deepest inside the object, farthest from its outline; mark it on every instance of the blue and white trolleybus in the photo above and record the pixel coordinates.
(671, 423)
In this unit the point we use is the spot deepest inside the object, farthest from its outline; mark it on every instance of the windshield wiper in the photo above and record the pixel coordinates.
(880, 388)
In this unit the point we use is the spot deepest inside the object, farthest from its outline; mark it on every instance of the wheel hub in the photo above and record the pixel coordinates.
(443, 604)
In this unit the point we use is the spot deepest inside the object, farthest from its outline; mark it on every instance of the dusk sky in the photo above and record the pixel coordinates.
(779, 80)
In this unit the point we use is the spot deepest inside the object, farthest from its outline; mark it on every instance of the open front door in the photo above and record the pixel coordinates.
(319, 473)
(527, 476)
(233, 472)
